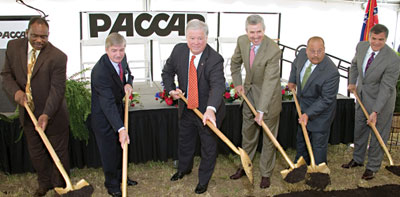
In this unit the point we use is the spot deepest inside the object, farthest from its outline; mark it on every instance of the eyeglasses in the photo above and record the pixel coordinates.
(318, 52)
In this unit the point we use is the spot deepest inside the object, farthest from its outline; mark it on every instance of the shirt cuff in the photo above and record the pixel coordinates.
(122, 128)
(212, 108)
(261, 113)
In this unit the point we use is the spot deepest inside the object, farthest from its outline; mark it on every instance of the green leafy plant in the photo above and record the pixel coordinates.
(77, 94)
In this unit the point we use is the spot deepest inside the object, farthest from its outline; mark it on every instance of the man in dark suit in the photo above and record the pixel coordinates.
(317, 81)
(111, 79)
(373, 74)
(260, 56)
(35, 72)
(207, 97)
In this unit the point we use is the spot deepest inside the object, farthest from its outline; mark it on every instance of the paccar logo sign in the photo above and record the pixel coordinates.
(12, 34)
(147, 24)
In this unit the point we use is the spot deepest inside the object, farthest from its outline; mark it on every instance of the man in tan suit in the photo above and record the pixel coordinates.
(36, 60)
(260, 56)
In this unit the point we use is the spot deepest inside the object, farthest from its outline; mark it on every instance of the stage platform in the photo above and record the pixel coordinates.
(153, 128)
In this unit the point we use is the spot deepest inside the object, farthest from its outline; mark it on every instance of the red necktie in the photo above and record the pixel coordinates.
(193, 98)
(121, 73)
(252, 55)
(370, 61)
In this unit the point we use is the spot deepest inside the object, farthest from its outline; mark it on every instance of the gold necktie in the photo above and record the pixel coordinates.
(28, 89)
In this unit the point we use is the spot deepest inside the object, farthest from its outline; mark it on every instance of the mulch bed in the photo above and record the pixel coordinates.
(384, 190)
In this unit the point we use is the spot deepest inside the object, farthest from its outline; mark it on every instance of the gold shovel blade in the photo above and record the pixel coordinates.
(247, 165)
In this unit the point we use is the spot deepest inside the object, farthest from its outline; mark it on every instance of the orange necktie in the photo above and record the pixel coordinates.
(28, 89)
(193, 98)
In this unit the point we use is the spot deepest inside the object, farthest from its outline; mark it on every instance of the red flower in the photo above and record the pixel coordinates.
(130, 97)
(236, 96)
(227, 95)
(133, 104)
(232, 86)
(169, 101)
(156, 99)
(283, 91)
(162, 94)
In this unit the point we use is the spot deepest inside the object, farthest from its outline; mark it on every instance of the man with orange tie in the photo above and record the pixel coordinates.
(260, 56)
(201, 78)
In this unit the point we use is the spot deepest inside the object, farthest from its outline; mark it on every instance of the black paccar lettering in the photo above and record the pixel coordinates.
(138, 25)
(94, 27)
(180, 28)
(195, 16)
(128, 27)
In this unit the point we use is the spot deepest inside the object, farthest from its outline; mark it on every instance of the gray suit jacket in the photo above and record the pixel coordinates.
(318, 98)
(263, 79)
(377, 89)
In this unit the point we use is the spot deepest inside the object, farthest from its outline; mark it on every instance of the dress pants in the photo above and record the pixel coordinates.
(319, 143)
(361, 135)
(190, 127)
(111, 155)
(48, 174)
(250, 136)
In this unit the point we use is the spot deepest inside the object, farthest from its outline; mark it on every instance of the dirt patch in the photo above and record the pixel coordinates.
(394, 169)
(318, 180)
(384, 190)
(296, 175)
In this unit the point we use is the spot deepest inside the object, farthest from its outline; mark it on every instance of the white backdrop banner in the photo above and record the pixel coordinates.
(12, 27)
(97, 25)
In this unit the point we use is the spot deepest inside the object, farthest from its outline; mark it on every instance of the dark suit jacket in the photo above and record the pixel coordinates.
(318, 98)
(210, 75)
(47, 82)
(107, 94)
(377, 89)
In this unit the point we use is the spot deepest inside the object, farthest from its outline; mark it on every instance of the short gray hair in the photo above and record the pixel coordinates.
(254, 20)
(196, 24)
(115, 39)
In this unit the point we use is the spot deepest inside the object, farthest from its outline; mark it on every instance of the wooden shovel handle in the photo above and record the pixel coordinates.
(305, 133)
(269, 133)
(378, 136)
(49, 147)
(213, 128)
(125, 150)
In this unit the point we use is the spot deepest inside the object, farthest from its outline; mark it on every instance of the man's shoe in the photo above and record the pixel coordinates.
(130, 182)
(239, 173)
(200, 188)
(179, 175)
(41, 192)
(352, 164)
(368, 175)
(115, 194)
(265, 182)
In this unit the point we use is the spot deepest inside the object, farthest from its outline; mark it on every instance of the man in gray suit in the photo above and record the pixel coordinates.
(317, 81)
(374, 72)
(260, 56)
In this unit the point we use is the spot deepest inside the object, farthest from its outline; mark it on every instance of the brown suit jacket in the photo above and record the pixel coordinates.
(48, 81)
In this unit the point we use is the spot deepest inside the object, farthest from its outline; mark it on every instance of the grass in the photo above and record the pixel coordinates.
(153, 178)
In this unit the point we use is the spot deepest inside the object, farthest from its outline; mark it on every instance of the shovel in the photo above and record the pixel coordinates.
(82, 188)
(125, 150)
(392, 168)
(244, 157)
(292, 166)
(322, 167)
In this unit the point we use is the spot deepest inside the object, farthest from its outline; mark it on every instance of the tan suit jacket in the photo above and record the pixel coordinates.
(263, 79)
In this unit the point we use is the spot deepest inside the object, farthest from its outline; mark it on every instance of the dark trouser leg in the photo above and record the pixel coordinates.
(301, 148)
(208, 154)
(187, 140)
(319, 142)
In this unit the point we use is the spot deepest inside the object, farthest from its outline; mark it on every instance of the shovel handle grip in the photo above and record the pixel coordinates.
(125, 149)
(49, 147)
(378, 136)
(269, 133)
(304, 129)
(214, 128)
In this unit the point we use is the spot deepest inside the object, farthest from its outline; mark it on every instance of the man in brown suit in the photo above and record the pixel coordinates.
(260, 56)
(46, 92)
